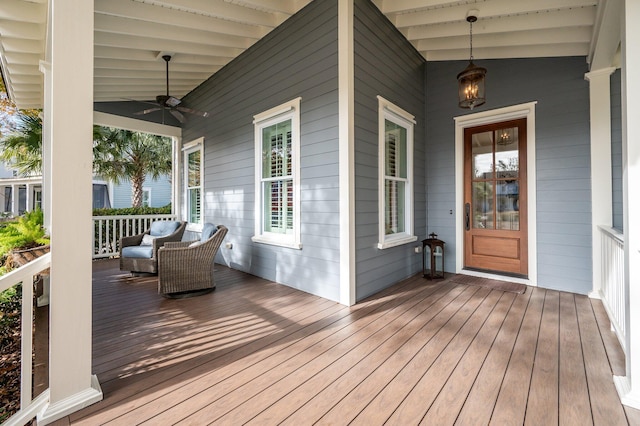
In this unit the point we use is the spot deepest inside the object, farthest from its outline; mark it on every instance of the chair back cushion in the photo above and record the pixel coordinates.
(162, 228)
(207, 231)
(140, 252)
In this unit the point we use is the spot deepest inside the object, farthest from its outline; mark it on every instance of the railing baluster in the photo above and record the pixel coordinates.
(26, 344)
(110, 229)
(28, 407)
(613, 281)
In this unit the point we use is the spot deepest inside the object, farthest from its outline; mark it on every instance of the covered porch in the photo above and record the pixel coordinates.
(425, 351)
(220, 353)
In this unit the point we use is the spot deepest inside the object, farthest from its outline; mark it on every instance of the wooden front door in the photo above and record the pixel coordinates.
(495, 197)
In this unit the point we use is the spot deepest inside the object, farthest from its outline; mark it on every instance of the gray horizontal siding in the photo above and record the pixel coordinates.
(562, 154)
(297, 59)
(386, 65)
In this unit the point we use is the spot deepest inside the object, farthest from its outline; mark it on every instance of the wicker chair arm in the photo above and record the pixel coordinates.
(177, 244)
(133, 240)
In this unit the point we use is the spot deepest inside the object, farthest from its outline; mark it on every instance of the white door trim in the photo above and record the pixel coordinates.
(526, 110)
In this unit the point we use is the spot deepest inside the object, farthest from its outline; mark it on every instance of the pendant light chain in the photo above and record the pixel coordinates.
(471, 40)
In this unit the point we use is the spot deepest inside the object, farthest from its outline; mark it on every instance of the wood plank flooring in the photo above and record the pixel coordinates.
(421, 352)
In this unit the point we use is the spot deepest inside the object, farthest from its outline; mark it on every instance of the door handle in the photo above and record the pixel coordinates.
(467, 214)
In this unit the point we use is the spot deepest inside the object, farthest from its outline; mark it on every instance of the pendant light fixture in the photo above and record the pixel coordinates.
(471, 79)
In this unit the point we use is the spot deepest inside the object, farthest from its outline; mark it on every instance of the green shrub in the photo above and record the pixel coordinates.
(10, 312)
(132, 211)
(26, 232)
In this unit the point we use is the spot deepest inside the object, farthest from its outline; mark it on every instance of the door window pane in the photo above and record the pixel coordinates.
(508, 217)
(507, 153)
(483, 205)
(482, 155)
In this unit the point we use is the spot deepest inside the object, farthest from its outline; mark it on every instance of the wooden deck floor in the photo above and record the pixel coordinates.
(433, 353)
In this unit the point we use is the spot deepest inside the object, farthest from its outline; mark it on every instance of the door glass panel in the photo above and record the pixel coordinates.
(508, 205)
(482, 155)
(482, 205)
(507, 153)
(507, 185)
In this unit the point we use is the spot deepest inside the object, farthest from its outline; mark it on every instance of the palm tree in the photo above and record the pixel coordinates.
(22, 147)
(123, 154)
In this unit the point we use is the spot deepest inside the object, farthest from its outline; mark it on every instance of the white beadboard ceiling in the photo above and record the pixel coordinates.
(204, 35)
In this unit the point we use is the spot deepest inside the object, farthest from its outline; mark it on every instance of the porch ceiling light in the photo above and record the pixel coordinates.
(471, 79)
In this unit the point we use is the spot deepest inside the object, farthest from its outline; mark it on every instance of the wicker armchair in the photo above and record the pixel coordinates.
(186, 268)
(139, 253)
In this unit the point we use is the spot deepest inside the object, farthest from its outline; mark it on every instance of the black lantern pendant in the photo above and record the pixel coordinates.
(471, 79)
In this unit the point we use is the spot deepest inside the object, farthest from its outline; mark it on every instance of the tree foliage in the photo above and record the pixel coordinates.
(22, 147)
(9, 111)
(118, 154)
(123, 154)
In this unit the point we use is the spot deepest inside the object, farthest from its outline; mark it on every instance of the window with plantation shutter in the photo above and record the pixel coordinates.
(277, 174)
(395, 175)
(193, 170)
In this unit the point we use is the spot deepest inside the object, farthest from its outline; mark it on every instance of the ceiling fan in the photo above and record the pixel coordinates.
(173, 104)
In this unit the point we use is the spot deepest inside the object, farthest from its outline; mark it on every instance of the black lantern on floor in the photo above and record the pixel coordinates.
(471, 79)
(433, 257)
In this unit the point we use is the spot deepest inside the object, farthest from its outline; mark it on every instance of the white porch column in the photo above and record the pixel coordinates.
(69, 97)
(629, 385)
(601, 190)
(15, 200)
(346, 152)
(28, 197)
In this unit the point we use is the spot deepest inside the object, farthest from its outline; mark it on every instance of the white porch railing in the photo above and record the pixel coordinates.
(29, 407)
(613, 292)
(107, 230)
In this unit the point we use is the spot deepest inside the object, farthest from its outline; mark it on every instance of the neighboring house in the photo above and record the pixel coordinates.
(329, 162)
(156, 193)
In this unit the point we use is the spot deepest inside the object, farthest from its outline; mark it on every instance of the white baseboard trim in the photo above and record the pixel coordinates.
(73, 403)
(627, 397)
(595, 294)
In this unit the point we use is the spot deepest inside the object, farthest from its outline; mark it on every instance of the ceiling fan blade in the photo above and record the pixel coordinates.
(178, 116)
(147, 111)
(193, 111)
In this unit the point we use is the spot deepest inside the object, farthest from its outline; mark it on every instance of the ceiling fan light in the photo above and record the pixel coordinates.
(172, 102)
(471, 86)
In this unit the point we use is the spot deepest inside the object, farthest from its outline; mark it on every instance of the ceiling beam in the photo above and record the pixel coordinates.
(137, 28)
(490, 8)
(23, 11)
(606, 36)
(163, 45)
(99, 63)
(505, 24)
(176, 18)
(516, 39)
(532, 51)
(26, 30)
(223, 10)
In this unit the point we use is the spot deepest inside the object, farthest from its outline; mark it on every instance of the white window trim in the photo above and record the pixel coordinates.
(389, 111)
(188, 148)
(288, 110)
